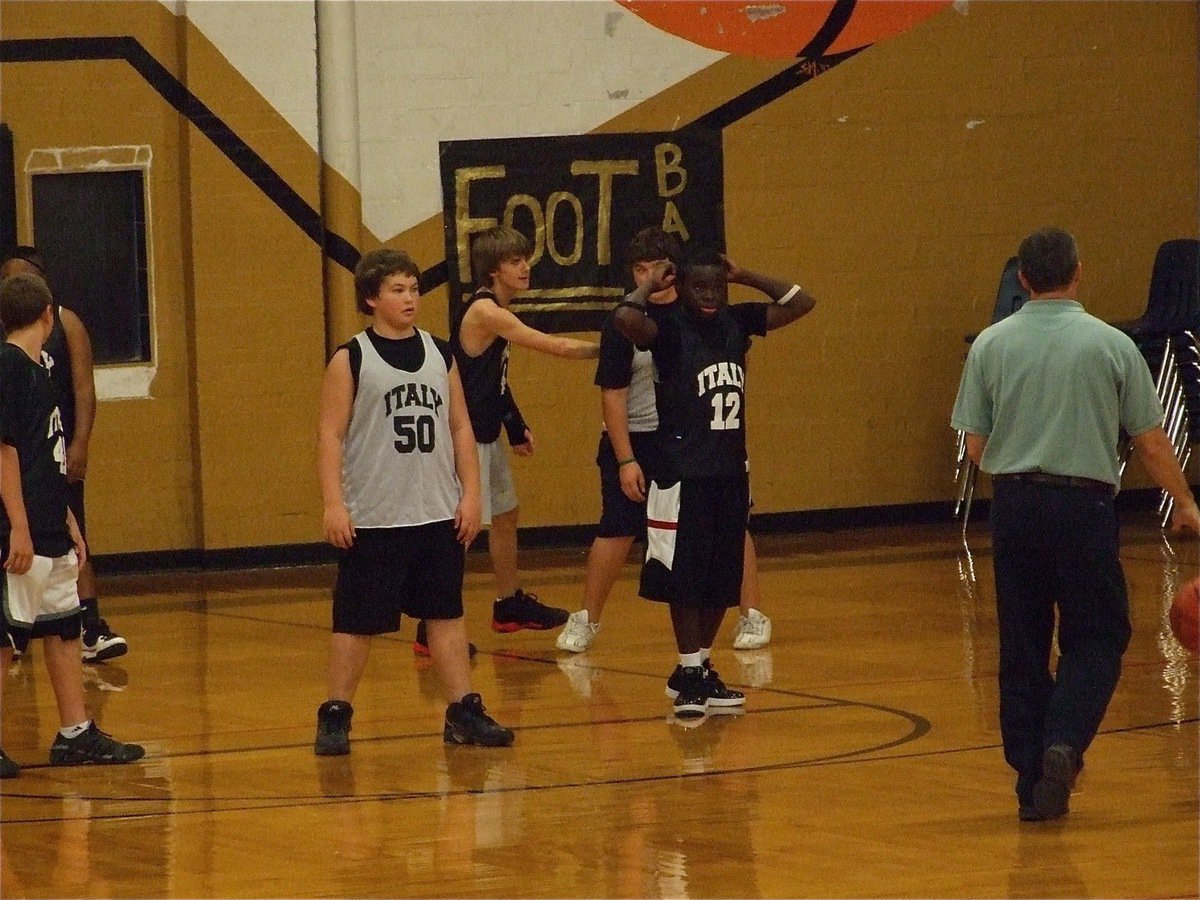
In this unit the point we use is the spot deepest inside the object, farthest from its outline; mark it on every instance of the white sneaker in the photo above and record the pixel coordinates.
(753, 631)
(577, 635)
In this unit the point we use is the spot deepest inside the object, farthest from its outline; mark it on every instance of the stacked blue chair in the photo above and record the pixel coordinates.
(1167, 333)
(1010, 297)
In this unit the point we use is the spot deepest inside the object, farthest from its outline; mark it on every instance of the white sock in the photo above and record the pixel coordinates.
(705, 654)
(691, 660)
(74, 731)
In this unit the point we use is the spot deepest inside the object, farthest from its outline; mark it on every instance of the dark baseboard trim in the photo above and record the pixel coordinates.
(557, 537)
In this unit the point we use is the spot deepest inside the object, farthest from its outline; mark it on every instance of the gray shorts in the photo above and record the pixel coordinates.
(496, 489)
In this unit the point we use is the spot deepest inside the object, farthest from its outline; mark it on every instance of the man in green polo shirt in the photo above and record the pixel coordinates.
(1043, 396)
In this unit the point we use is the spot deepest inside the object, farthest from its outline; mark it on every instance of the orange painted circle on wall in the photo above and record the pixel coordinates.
(778, 30)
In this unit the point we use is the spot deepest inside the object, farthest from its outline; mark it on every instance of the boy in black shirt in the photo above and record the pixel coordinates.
(39, 538)
(699, 498)
(500, 263)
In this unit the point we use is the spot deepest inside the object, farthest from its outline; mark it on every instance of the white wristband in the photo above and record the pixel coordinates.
(789, 295)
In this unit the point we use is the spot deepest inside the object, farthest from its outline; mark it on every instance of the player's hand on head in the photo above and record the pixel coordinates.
(633, 482)
(733, 271)
(664, 276)
(339, 530)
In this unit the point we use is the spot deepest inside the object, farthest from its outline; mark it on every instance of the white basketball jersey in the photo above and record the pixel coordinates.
(398, 457)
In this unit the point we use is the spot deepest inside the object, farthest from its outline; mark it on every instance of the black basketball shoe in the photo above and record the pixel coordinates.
(522, 610)
(468, 723)
(333, 728)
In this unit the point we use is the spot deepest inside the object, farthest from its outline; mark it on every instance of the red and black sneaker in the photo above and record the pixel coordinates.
(522, 610)
(421, 644)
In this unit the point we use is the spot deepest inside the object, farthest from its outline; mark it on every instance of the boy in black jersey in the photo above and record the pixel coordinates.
(70, 351)
(400, 486)
(500, 262)
(699, 498)
(39, 539)
(626, 457)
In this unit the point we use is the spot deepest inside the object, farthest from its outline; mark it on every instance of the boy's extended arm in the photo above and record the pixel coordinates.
(630, 316)
(337, 401)
(83, 385)
(466, 461)
(20, 542)
(496, 319)
(799, 302)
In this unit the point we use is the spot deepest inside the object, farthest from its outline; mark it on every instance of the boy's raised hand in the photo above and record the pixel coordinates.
(733, 272)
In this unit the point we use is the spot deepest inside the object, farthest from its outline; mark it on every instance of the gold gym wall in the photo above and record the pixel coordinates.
(893, 186)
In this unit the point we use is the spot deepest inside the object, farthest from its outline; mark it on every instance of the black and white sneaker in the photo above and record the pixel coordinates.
(718, 693)
(93, 746)
(333, 728)
(691, 691)
(468, 723)
(101, 643)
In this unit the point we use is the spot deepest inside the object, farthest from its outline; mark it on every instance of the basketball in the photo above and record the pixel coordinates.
(1184, 614)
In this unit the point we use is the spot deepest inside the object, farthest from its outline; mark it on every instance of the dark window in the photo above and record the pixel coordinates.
(8, 190)
(90, 228)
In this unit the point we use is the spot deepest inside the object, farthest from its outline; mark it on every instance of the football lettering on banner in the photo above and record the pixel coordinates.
(579, 199)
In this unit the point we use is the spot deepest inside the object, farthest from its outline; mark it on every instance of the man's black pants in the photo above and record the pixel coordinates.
(1055, 546)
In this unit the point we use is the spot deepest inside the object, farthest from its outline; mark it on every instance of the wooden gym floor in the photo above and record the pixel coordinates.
(867, 763)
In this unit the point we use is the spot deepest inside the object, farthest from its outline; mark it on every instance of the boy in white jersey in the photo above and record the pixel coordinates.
(400, 486)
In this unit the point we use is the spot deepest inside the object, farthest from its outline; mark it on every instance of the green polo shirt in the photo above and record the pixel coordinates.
(1049, 387)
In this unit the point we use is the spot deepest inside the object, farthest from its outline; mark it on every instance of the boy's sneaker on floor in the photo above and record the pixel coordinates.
(333, 728)
(93, 746)
(753, 631)
(20, 644)
(577, 635)
(8, 768)
(718, 693)
(101, 643)
(522, 610)
(468, 723)
(690, 687)
(421, 643)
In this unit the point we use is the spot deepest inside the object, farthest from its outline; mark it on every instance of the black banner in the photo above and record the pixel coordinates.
(580, 199)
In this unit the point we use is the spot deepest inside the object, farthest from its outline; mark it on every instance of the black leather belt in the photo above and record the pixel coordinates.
(1089, 484)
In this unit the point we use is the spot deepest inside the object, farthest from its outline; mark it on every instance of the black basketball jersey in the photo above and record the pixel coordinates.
(701, 376)
(59, 366)
(30, 422)
(485, 381)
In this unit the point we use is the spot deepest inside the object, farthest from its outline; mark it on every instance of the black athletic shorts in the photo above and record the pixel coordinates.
(416, 571)
(696, 541)
(620, 516)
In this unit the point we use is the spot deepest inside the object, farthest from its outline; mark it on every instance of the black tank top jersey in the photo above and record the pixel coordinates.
(60, 373)
(401, 353)
(485, 381)
(30, 422)
(59, 365)
(701, 396)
